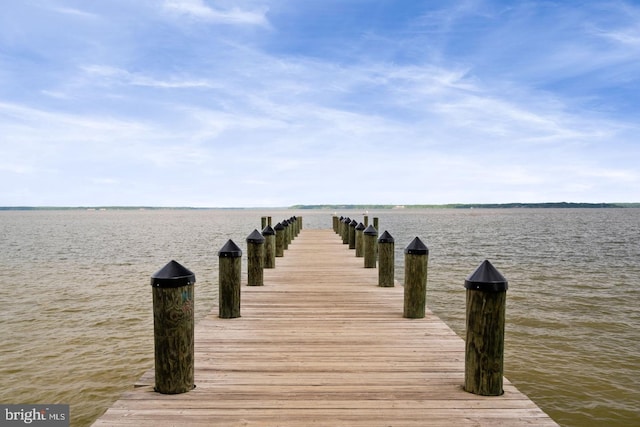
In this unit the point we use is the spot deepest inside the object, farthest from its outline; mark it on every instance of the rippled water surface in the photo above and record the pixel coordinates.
(77, 326)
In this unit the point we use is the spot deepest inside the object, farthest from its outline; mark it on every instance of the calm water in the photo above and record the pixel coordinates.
(77, 326)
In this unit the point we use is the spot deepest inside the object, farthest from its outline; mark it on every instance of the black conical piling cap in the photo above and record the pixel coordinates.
(386, 238)
(416, 247)
(255, 237)
(172, 275)
(486, 278)
(268, 231)
(370, 231)
(279, 227)
(360, 226)
(230, 250)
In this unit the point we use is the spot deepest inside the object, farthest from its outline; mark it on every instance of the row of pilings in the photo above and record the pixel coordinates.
(174, 305)
(485, 298)
(173, 299)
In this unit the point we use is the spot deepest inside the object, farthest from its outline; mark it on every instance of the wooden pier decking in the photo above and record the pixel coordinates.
(320, 344)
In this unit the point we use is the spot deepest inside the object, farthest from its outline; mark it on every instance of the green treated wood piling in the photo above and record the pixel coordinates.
(484, 347)
(280, 239)
(416, 257)
(360, 240)
(173, 326)
(229, 277)
(269, 235)
(370, 246)
(386, 258)
(255, 259)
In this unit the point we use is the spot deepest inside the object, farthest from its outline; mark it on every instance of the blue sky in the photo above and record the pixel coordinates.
(273, 103)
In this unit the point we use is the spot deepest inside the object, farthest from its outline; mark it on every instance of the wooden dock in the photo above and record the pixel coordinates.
(320, 344)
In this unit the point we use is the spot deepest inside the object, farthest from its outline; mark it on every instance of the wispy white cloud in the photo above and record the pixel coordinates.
(198, 9)
(75, 12)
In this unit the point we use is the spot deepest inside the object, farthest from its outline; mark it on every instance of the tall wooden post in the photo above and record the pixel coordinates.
(376, 224)
(416, 257)
(345, 230)
(334, 220)
(370, 249)
(352, 234)
(280, 239)
(255, 259)
(173, 314)
(287, 233)
(484, 348)
(229, 277)
(386, 257)
(269, 235)
(360, 240)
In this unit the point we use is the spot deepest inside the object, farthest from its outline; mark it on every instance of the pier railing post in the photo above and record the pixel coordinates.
(344, 231)
(370, 246)
(360, 240)
(269, 235)
(352, 234)
(287, 233)
(386, 257)
(229, 277)
(255, 259)
(484, 348)
(416, 257)
(173, 324)
(279, 229)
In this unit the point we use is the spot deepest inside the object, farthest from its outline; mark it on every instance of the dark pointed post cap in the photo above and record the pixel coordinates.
(279, 227)
(486, 278)
(268, 231)
(255, 237)
(386, 238)
(172, 275)
(360, 226)
(230, 250)
(370, 231)
(353, 223)
(416, 247)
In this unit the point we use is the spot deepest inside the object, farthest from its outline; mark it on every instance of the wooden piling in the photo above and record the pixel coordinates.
(360, 240)
(229, 277)
(386, 258)
(255, 259)
(370, 249)
(352, 233)
(344, 230)
(280, 239)
(269, 235)
(485, 321)
(416, 257)
(173, 326)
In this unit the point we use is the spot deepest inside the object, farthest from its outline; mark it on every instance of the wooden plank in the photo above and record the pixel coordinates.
(321, 344)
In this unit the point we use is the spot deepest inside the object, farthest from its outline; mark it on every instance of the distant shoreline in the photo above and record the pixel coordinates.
(548, 205)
